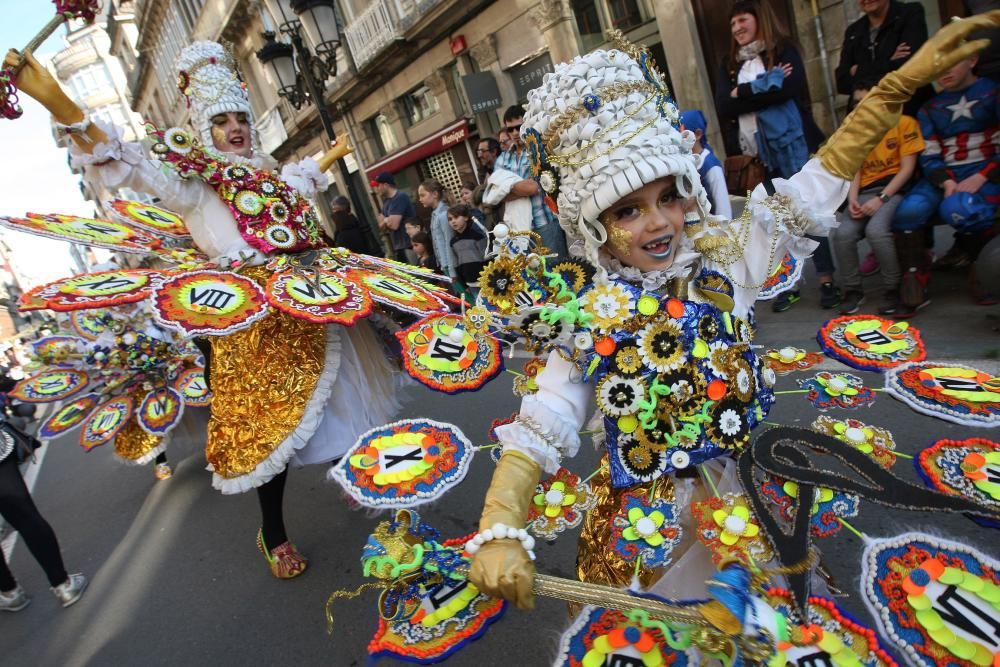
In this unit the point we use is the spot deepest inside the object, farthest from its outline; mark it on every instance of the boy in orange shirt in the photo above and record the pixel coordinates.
(875, 192)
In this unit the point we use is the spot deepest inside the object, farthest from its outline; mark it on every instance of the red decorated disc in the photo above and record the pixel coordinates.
(324, 298)
(208, 303)
(106, 421)
(160, 411)
(53, 385)
(98, 290)
(396, 292)
(89, 231)
(149, 218)
(440, 352)
(68, 417)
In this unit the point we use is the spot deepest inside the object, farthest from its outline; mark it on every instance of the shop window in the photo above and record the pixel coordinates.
(418, 105)
(381, 134)
(91, 80)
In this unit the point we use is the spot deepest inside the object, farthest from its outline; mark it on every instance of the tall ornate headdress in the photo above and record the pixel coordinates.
(207, 77)
(599, 128)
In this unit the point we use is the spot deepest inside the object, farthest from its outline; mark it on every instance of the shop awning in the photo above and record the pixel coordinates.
(452, 135)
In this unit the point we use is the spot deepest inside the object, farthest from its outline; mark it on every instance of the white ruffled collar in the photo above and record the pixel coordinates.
(686, 260)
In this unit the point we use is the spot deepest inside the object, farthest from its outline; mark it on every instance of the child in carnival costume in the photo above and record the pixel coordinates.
(285, 390)
(659, 336)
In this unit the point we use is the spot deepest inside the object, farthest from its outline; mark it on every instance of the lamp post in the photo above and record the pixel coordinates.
(301, 74)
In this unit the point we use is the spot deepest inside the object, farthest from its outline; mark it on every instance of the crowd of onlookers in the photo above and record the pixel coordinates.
(937, 167)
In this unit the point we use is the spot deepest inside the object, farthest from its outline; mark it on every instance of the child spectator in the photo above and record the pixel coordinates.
(422, 246)
(413, 227)
(469, 246)
(468, 189)
(713, 176)
(961, 181)
(432, 195)
(875, 193)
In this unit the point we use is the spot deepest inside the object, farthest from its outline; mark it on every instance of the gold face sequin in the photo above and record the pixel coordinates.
(218, 136)
(262, 379)
(619, 238)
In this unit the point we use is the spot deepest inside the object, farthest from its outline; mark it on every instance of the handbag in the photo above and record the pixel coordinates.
(743, 174)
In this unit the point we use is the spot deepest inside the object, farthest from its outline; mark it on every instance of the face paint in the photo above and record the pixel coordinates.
(218, 135)
(620, 239)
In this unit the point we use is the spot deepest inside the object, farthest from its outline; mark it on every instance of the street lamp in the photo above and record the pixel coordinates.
(302, 75)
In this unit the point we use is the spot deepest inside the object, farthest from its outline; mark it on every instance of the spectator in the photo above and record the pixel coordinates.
(486, 153)
(413, 226)
(350, 232)
(713, 177)
(878, 43)
(875, 193)
(505, 140)
(469, 245)
(961, 178)
(396, 209)
(431, 194)
(761, 94)
(422, 246)
(989, 58)
(543, 221)
(468, 190)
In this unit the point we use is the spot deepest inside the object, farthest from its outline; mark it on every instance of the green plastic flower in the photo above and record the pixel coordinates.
(837, 385)
(822, 495)
(555, 499)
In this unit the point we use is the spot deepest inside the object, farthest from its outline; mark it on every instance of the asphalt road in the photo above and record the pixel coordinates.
(176, 577)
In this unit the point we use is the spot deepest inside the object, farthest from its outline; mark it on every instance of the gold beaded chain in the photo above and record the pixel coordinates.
(564, 161)
(604, 95)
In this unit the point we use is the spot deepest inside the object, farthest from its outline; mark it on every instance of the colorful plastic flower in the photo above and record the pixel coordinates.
(555, 500)
(735, 523)
(837, 385)
(644, 527)
(822, 496)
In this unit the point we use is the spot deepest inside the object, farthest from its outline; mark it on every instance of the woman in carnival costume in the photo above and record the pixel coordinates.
(660, 335)
(285, 389)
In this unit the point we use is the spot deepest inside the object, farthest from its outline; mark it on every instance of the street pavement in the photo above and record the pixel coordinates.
(176, 577)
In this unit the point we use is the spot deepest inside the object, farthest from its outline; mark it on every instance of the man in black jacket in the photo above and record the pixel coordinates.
(878, 43)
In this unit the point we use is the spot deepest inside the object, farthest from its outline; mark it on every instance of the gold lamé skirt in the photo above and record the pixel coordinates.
(136, 445)
(262, 379)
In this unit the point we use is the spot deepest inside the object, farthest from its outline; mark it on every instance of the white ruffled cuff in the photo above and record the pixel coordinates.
(305, 177)
(806, 203)
(115, 149)
(541, 434)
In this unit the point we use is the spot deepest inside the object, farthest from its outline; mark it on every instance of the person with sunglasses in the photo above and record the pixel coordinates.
(515, 159)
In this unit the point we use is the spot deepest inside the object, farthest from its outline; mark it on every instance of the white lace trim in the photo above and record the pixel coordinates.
(278, 460)
(684, 261)
(115, 148)
(544, 436)
(305, 177)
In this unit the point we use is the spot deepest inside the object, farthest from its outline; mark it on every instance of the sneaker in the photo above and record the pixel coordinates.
(162, 471)
(869, 266)
(852, 302)
(955, 258)
(889, 303)
(70, 591)
(16, 600)
(829, 296)
(785, 300)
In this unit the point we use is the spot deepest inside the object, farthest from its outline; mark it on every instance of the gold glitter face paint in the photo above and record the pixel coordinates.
(218, 136)
(619, 238)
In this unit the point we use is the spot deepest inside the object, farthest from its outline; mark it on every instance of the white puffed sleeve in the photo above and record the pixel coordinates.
(548, 425)
(804, 204)
(305, 177)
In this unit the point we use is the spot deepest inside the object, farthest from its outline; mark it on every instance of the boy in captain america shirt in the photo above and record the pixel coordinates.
(961, 182)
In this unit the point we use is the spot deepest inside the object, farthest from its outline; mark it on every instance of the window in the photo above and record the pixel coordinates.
(419, 104)
(381, 134)
(90, 80)
(111, 114)
(625, 14)
(588, 22)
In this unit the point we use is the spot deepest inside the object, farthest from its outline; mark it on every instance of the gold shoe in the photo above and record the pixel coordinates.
(285, 560)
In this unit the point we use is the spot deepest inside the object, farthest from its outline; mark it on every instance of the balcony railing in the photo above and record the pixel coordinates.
(373, 30)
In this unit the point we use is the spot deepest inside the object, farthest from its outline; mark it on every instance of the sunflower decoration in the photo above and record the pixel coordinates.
(560, 503)
(729, 426)
(708, 328)
(539, 333)
(687, 390)
(626, 360)
(727, 527)
(178, 140)
(639, 460)
(576, 274)
(876, 442)
(618, 395)
(721, 359)
(609, 304)
(661, 345)
(500, 282)
(744, 383)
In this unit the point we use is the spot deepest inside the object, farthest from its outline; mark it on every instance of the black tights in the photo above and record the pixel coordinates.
(19, 510)
(271, 497)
